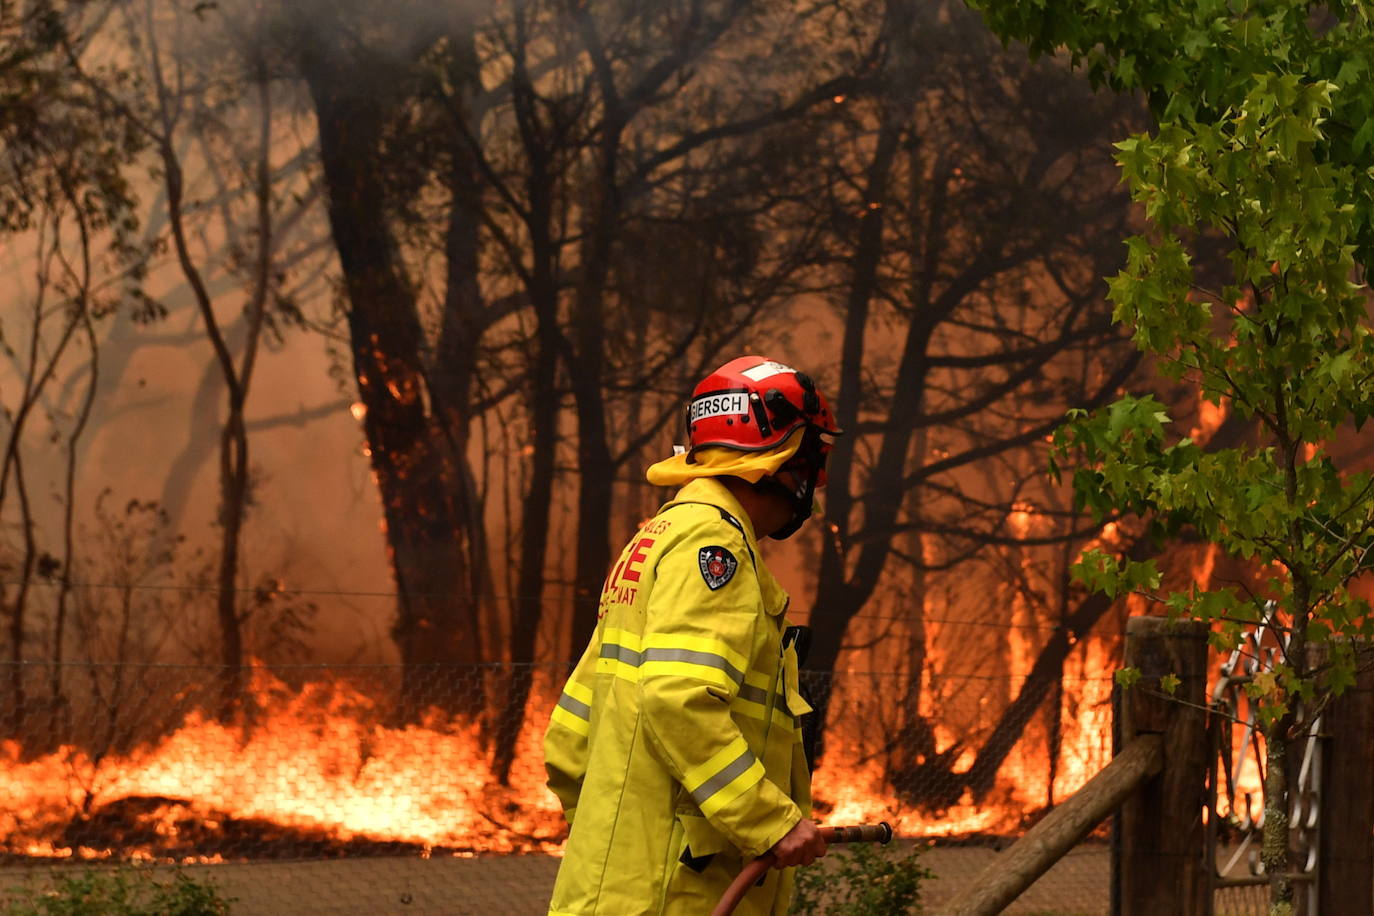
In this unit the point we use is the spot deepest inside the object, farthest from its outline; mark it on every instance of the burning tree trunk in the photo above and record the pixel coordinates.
(18, 710)
(527, 603)
(421, 484)
(233, 463)
(1054, 710)
(596, 477)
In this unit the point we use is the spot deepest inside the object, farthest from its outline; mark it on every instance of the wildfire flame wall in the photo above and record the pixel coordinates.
(134, 767)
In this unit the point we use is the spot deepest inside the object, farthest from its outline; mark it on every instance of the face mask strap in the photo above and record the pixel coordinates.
(806, 464)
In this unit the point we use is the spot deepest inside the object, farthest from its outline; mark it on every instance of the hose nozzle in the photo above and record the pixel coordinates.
(863, 833)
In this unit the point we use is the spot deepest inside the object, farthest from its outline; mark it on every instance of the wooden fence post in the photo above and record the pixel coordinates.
(1345, 865)
(1159, 861)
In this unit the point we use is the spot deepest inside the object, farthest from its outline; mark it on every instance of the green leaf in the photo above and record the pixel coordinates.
(1363, 137)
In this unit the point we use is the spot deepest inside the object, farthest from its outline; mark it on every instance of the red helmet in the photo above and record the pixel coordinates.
(753, 403)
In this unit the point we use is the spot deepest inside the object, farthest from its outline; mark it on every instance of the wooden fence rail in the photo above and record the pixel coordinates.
(1016, 869)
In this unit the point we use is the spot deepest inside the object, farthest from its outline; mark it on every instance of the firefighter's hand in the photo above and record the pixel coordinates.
(802, 845)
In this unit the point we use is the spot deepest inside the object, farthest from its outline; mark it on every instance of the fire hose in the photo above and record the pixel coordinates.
(750, 874)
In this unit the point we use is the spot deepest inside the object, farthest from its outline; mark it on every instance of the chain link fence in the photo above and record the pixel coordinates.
(323, 791)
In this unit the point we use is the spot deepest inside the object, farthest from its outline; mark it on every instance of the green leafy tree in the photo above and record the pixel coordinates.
(1263, 142)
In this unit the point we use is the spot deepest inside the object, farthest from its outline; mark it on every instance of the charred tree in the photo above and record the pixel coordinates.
(607, 150)
(420, 476)
(980, 260)
(724, 164)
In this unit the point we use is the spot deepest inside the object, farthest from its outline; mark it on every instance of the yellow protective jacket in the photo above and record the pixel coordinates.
(676, 745)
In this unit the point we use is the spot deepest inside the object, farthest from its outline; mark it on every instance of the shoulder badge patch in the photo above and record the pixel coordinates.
(717, 564)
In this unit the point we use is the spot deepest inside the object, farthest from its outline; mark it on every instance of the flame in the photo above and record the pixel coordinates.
(1086, 743)
(322, 762)
(1205, 566)
(318, 760)
(849, 794)
(1210, 416)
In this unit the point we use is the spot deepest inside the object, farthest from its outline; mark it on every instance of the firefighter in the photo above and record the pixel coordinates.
(676, 746)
